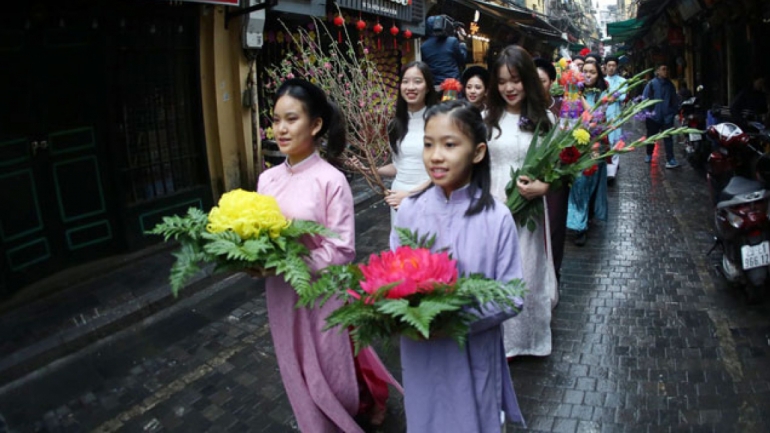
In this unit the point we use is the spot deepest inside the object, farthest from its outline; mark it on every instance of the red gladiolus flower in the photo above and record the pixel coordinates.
(590, 171)
(604, 99)
(569, 155)
(415, 271)
(620, 145)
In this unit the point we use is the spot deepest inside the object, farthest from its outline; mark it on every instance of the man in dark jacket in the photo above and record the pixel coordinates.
(444, 54)
(662, 118)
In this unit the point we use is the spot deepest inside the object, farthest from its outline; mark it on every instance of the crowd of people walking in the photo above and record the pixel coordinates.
(450, 166)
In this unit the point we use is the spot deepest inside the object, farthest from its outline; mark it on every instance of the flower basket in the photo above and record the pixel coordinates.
(245, 231)
(411, 292)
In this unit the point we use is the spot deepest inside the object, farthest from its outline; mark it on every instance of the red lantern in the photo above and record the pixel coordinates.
(339, 22)
(377, 30)
(361, 26)
(407, 36)
(394, 31)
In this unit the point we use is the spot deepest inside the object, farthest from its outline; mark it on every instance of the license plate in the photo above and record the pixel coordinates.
(695, 137)
(755, 256)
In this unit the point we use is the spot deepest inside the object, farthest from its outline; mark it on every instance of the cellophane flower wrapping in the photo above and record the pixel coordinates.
(245, 230)
(411, 291)
(577, 143)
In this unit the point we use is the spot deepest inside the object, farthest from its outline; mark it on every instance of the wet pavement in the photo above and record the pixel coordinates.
(647, 338)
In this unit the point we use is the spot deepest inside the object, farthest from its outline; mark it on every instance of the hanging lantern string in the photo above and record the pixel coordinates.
(377, 30)
(339, 21)
(394, 31)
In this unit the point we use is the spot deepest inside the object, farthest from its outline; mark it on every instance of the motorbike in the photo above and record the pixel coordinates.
(697, 148)
(738, 173)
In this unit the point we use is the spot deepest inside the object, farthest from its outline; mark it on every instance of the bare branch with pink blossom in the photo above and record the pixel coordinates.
(349, 76)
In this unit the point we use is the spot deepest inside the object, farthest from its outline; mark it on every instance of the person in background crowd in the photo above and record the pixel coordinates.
(516, 105)
(579, 61)
(405, 133)
(661, 88)
(588, 195)
(614, 82)
(547, 73)
(444, 53)
(556, 199)
(474, 82)
(326, 384)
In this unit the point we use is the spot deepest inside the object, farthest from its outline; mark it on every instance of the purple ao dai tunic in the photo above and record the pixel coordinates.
(448, 389)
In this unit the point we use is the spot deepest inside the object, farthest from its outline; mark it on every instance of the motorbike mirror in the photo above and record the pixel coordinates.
(726, 133)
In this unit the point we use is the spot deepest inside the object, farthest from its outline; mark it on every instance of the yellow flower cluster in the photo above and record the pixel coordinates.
(581, 135)
(248, 214)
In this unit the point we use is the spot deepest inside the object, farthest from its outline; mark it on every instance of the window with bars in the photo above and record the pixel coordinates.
(158, 107)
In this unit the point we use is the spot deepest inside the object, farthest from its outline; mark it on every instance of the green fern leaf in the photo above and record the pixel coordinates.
(298, 228)
(294, 270)
(185, 267)
(407, 238)
(419, 316)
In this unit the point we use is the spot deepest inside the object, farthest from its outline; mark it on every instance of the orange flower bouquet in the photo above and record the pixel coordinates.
(450, 88)
(410, 291)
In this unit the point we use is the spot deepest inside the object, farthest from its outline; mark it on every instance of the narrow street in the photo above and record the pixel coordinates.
(647, 338)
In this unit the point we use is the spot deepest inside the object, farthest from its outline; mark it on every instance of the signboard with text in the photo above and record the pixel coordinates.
(398, 9)
(217, 2)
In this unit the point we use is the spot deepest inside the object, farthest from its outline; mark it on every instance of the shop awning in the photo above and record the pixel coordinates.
(646, 13)
(621, 31)
(522, 19)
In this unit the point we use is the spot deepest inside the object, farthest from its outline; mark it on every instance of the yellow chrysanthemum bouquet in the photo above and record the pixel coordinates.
(574, 146)
(246, 230)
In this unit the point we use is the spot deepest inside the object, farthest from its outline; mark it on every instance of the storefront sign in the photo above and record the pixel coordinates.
(399, 9)
(217, 2)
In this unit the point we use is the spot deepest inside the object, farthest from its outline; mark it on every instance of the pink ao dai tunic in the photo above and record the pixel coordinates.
(316, 366)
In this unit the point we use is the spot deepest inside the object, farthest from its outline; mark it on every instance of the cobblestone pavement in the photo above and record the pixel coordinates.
(647, 338)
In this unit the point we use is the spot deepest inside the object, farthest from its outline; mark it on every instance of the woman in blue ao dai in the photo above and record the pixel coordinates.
(446, 388)
(588, 189)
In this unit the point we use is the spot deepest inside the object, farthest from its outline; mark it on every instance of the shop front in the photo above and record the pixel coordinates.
(387, 32)
(101, 130)
(493, 27)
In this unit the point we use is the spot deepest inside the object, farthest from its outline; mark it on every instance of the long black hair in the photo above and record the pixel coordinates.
(534, 107)
(399, 125)
(468, 120)
(317, 105)
(601, 83)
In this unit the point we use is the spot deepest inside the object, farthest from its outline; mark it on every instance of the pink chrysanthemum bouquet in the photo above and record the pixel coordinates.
(411, 291)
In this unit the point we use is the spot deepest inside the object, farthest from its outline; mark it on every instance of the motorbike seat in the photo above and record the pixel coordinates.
(739, 185)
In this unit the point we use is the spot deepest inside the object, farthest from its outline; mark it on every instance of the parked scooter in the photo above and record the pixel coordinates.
(697, 148)
(738, 172)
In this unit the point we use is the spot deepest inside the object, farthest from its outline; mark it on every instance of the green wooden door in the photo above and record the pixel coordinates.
(55, 198)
